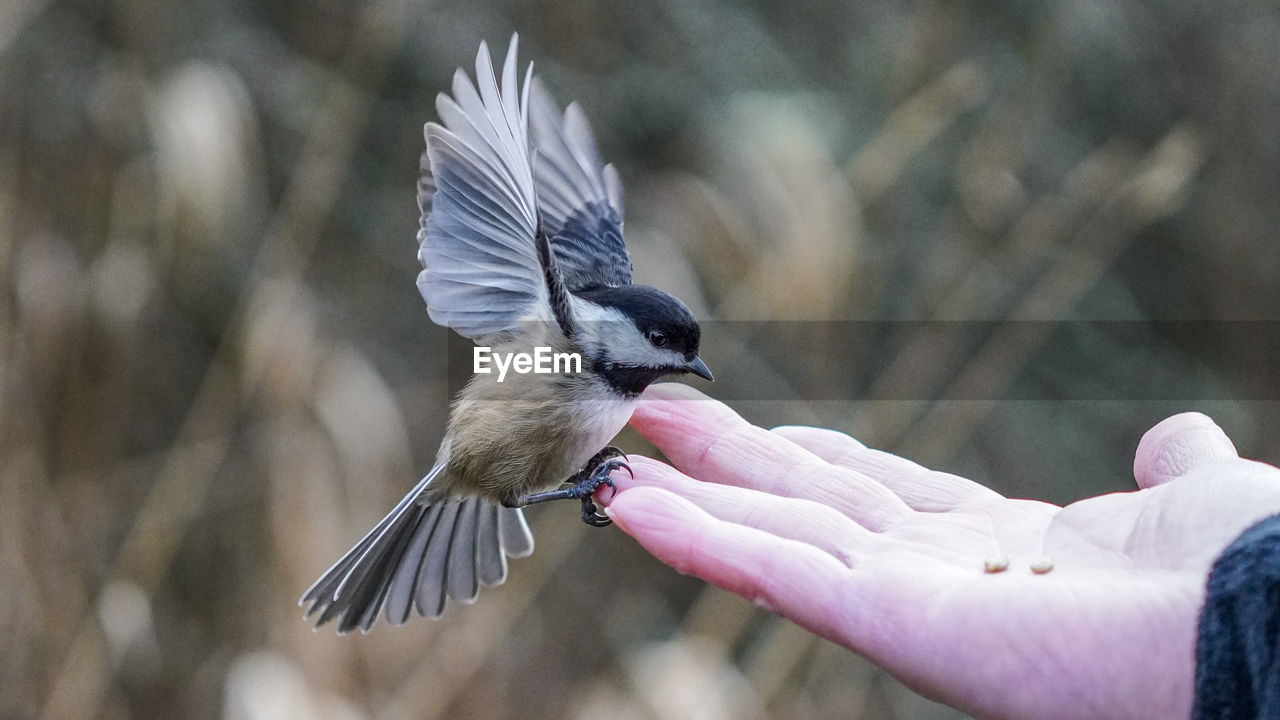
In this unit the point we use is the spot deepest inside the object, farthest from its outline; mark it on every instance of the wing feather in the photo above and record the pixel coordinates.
(479, 206)
(482, 194)
(580, 198)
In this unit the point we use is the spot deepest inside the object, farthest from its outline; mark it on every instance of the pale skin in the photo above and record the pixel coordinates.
(886, 557)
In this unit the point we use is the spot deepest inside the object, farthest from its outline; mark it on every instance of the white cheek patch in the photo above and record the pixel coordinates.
(630, 347)
(606, 332)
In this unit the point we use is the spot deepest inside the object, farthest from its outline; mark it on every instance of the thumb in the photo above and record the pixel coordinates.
(1176, 445)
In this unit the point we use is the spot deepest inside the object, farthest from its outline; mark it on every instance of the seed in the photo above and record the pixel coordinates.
(996, 564)
(1042, 565)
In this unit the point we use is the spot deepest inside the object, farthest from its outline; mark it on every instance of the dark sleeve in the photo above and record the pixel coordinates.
(1238, 649)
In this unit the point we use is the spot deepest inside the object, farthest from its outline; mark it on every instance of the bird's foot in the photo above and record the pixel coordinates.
(595, 477)
(608, 452)
(582, 486)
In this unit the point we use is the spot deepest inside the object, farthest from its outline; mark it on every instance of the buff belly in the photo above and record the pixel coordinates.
(507, 441)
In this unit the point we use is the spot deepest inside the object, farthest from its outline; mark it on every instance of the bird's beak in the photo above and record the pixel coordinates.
(699, 368)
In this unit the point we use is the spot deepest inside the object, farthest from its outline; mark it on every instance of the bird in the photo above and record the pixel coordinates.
(521, 245)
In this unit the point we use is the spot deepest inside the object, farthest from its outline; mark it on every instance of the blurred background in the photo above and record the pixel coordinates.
(216, 372)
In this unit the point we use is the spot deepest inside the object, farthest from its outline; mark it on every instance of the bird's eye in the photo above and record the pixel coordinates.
(657, 337)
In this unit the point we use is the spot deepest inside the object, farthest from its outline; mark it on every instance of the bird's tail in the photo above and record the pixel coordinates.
(424, 551)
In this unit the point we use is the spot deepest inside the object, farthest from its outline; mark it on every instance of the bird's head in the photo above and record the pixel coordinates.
(635, 334)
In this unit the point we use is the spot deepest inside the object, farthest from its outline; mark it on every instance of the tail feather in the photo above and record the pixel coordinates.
(367, 584)
(430, 595)
(421, 554)
(405, 579)
(517, 541)
(491, 562)
(324, 594)
(460, 571)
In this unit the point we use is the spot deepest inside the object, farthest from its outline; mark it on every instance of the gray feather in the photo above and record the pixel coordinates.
(613, 189)
(336, 592)
(460, 576)
(517, 541)
(491, 562)
(479, 208)
(405, 578)
(424, 551)
(579, 198)
(430, 595)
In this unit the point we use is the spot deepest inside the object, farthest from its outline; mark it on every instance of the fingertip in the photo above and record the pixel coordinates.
(642, 471)
(678, 400)
(658, 415)
(679, 419)
(647, 512)
(788, 576)
(1176, 445)
(647, 470)
(673, 391)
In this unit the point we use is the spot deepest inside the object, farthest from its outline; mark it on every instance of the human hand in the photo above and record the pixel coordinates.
(885, 557)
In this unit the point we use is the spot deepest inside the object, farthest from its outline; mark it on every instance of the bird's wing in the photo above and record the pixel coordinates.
(477, 241)
(579, 197)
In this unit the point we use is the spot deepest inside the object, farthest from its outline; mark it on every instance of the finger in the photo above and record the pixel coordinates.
(1177, 445)
(919, 487)
(798, 519)
(789, 577)
(830, 445)
(707, 440)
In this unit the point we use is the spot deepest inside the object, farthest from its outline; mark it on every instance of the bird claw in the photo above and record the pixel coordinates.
(592, 517)
(598, 472)
(583, 485)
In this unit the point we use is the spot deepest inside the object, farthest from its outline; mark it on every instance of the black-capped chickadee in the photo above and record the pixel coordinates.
(522, 249)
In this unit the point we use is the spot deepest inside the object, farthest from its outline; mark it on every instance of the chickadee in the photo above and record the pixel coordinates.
(521, 244)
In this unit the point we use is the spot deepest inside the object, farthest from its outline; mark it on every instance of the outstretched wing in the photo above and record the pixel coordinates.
(579, 197)
(479, 208)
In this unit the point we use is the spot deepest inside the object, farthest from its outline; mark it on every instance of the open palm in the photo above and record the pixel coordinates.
(887, 558)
